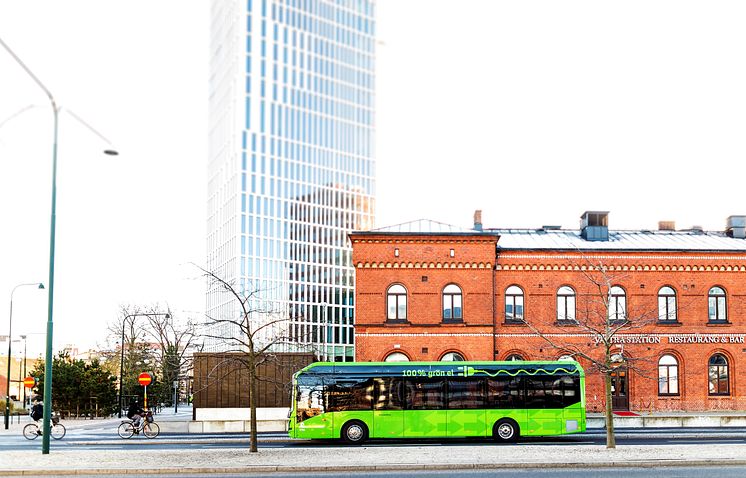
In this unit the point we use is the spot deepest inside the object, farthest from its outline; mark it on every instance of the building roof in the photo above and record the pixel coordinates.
(556, 238)
(634, 240)
(425, 226)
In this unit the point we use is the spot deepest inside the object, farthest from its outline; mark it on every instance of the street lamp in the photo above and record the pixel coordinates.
(23, 375)
(10, 331)
(50, 302)
(121, 345)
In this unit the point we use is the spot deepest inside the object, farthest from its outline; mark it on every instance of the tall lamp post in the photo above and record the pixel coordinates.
(23, 374)
(50, 301)
(10, 340)
(121, 346)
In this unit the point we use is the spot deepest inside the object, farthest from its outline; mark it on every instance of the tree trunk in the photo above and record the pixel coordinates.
(252, 402)
(610, 438)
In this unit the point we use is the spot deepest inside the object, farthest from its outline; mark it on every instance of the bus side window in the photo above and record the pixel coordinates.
(466, 394)
(343, 395)
(570, 391)
(310, 397)
(425, 394)
(389, 394)
(505, 392)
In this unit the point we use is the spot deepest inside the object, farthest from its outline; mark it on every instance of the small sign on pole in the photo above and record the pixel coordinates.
(29, 382)
(145, 379)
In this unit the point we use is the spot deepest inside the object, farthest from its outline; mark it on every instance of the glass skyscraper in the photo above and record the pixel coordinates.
(291, 165)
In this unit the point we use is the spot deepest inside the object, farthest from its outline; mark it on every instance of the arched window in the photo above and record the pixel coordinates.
(514, 357)
(452, 357)
(717, 374)
(396, 303)
(567, 358)
(617, 304)
(513, 304)
(667, 304)
(668, 375)
(452, 300)
(396, 357)
(565, 304)
(716, 305)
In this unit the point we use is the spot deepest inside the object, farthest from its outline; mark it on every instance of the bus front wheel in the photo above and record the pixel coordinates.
(505, 430)
(354, 432)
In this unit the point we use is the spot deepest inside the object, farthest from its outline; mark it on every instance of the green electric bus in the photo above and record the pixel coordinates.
(357, 401)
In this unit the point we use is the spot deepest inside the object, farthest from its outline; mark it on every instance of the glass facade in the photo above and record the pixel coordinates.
(291, 164)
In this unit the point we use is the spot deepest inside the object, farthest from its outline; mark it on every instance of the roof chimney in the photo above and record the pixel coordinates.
(478, 220)
(594, 225)
(736, 227)
(666, 225)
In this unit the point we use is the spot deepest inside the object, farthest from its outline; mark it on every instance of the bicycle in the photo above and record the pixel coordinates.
(147, 426)
(32, 430)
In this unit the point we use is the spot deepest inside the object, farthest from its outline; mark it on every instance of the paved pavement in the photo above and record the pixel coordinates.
(302, 458)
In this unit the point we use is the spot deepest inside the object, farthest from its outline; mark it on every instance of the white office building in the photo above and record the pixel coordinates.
(291, 165)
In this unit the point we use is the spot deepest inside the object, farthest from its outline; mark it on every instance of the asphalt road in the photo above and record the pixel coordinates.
(627, 472)
(105, 438)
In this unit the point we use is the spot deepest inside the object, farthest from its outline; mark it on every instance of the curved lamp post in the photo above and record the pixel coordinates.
(10, 331)
(121, 346)
(50, 303)
(25, 362)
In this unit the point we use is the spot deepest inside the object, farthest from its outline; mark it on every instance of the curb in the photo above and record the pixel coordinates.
(368, 468)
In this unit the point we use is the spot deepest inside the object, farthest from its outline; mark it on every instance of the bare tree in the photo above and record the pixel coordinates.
(153, 338)
(177, 340)
(602, 315)
(131, 338)
(256, 330)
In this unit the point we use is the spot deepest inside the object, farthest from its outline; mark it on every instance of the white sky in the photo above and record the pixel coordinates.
(533, 111)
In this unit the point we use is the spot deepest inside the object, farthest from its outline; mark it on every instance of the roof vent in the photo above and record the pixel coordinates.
(736, 227)
(594, 225)
(695, 229)
(551, 228)
(478, 220)
(666, 225)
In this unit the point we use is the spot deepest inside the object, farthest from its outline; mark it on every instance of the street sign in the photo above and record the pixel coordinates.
(145, 378)
(29, 382)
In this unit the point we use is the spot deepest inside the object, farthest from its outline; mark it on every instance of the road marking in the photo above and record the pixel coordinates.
(704, 441)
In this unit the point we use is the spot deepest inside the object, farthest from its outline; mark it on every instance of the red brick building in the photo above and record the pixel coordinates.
(675, 299)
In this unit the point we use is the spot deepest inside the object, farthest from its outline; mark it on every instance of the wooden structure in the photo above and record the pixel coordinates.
(221, 380)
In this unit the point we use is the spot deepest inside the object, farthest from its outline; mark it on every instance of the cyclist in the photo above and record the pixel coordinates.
(134, 413)
(37, 411)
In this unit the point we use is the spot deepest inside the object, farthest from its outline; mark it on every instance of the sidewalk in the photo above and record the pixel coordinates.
(300, 459)
(399, 456)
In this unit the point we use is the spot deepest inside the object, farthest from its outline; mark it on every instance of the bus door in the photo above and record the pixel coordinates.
(388, 409)
(466, 407)
(310, 409)
(544, 414)
(426, 414)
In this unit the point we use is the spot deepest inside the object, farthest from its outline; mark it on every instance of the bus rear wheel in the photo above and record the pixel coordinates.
(354, 432)
(506, 430)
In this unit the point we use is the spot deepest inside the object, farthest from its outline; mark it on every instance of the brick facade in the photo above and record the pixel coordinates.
(425, 263)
